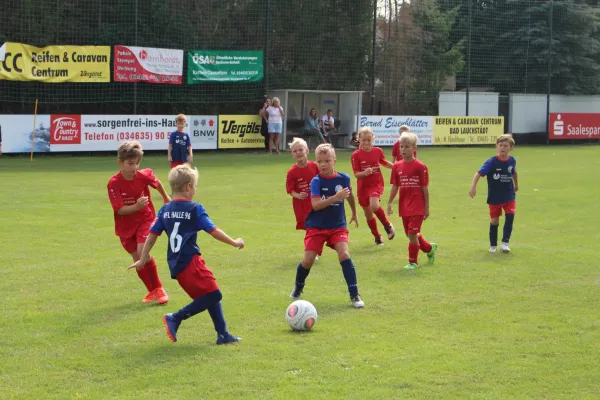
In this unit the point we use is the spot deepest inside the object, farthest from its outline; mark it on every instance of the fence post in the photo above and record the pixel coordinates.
(549, 78)
(135, 41)
(266, 52)
(373, 57)
(469, 7)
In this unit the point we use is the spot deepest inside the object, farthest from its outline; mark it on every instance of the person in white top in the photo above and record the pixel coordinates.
(275, 123)
(327, 124)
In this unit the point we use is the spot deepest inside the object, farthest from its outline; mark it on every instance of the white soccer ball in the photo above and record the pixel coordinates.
(301, 315)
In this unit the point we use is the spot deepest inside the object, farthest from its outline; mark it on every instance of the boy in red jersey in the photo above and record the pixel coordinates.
(297, 181)
(180, 145)
(396, 156)
(412, 178)
(365, 164)
(134, 212)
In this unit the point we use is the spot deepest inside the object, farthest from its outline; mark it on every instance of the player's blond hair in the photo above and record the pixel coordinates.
(411, 138)
(180, 176)
(130, 150)
(404, 128)
(298, 141)
(275, 100)
(365, 130)
(180, 117)
(507, 137)
(325, 148)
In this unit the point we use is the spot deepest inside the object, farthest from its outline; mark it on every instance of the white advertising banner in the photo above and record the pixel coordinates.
(72, 132)
(387, 128)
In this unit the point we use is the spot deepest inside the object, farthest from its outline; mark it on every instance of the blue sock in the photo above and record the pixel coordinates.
(301, 274)
(216, 313)
(493, 235)
(198, 305)
(508, 223)
(350, 276)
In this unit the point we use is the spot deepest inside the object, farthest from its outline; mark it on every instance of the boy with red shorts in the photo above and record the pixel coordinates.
(501, 172)
(412, 178)
(326, 223)
(181, 219)
(134, 212)
(297, 181)
(365, 164)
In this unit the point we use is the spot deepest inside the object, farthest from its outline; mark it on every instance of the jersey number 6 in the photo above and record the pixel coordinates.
(175, 240)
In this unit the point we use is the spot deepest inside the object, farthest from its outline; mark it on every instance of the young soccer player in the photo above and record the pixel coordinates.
(365, 164)
(326, 223)
(501, 172)
(412, 178)
(182, 218)
(134, 212)
(297, 182)
(396, 156)
(180, 145)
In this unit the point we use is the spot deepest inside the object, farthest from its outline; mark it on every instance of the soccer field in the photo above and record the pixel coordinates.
(473, 325)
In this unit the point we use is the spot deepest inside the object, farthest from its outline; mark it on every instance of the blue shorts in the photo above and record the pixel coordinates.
(275, 127)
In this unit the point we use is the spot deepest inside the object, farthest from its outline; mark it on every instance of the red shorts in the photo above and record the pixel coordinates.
(496, 209)
(176, 163)
(316, 238)
(196, 279)
(130, 244)
(366, 194)
(412, 224)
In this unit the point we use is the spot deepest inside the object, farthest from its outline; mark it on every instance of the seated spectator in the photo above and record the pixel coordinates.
(311, 125)
(327, 124)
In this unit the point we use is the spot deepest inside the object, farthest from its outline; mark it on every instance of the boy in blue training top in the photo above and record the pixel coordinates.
(182, 219)
(180, 146)
(326, 223)
(501, 172)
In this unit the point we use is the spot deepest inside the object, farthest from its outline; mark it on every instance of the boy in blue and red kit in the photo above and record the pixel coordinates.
(501, 172)
(326, 223)
(182, 219)
(134, 212)
(180, 146)
(411, 177)
(297, 181)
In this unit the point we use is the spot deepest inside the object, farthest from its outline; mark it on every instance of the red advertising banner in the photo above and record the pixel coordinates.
(65, 129)
(148, 64)
(574, 126)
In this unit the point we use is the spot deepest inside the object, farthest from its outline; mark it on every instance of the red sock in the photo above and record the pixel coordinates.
(143, 274)
(413, 253)
(424, 244)
(373, 227)
(152, 272)
(382, 217)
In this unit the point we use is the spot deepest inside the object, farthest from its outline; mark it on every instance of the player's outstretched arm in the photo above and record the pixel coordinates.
(393, 193)
(473, 190)
(426, 197)
(352, 204)
(388, 164)
(145, 256)
(223, 237)
(163, 192)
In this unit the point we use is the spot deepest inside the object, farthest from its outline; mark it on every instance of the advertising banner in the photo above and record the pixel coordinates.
(387, 128)
(207, 66)
(72, 133)
(467, 130)
(148, 64)
(574, 126)
(240, 132)
(54, 64)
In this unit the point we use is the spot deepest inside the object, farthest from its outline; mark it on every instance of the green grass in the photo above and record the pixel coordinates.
(474, 325)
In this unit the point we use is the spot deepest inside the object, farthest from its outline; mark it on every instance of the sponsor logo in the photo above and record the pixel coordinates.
(65, 129)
